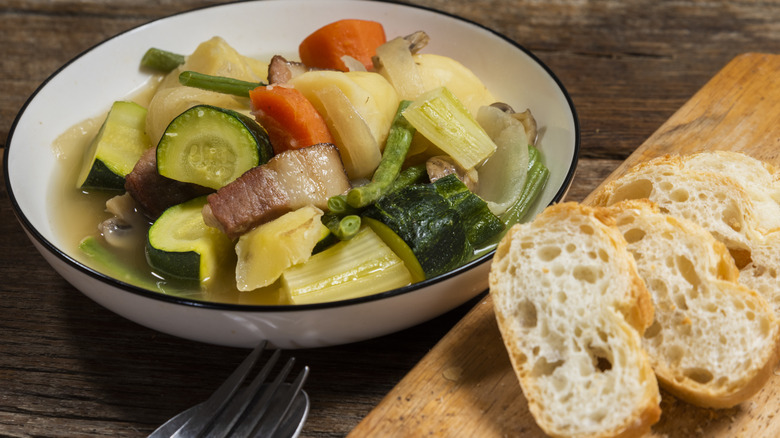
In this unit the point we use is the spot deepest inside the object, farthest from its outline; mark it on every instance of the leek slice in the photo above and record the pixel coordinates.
(361, 266)
(441, 118)
(502, 176)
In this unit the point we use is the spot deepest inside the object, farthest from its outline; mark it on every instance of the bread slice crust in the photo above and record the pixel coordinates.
(571, 309)
(733, 196)
(714, 341)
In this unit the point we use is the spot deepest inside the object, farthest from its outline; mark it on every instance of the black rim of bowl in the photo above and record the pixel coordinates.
(275, 308)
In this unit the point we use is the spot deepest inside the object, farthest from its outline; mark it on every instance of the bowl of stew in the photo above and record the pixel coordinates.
(122, 246)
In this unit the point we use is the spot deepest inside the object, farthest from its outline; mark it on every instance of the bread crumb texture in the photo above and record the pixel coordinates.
(670, 277)
(570, 308)
(713, 340)
(732, 195)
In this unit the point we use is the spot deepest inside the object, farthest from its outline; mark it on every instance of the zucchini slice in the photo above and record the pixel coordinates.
(116, 148)
(211, 146)
(398, 246)
(443, 223)
(181, 245)
(424, 219)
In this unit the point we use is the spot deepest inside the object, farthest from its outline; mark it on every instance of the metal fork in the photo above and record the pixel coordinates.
(260, 409)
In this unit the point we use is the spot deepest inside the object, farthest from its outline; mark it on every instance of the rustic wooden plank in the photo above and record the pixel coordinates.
(466, 386)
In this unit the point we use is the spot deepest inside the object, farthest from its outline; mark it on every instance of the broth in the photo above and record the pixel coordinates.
(78, 213)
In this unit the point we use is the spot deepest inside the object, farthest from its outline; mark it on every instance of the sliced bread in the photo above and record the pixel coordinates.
(571, 309)
(722, 192)
(714, 341)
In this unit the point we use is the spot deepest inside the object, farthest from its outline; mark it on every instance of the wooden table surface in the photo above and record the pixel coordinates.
(68, 367)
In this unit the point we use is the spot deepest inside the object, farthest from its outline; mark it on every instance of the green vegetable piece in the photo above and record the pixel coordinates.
(398, 246)
(219, 84)
(537, 177)
(444, 120)
(161, 60)
(327, 239)
(115, 149)
(338, 205)
(343, 227)
(397, 146)
(211, 146)
(361, 266)
(411, 175)
(181, 245)
(480, 223)
(110, 263)
(426, 221)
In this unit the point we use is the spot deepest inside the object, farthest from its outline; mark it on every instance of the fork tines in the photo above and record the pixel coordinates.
(255, 410)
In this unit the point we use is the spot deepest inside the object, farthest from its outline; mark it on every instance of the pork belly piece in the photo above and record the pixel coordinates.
(153, 192)
(288, 181)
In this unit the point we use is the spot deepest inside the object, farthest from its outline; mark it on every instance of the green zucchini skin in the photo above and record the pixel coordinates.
(442, 222)
(211, 146)
(420, 216)
(100, 177)
(480, 223)
(180, 244)
(116, 148)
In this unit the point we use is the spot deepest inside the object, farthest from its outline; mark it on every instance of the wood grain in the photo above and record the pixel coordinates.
(466, 386)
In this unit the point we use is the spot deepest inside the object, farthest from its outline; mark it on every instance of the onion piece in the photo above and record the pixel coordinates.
(502, 176)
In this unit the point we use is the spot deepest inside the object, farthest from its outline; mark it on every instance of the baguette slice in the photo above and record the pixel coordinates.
(708, 189)
(760, 180)
(571, 309)
(714, 341)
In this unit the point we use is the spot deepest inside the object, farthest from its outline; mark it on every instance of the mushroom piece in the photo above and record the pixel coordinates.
(417, 41)
(118, 230)
(443, 165)
(281, 71)
(526, 118)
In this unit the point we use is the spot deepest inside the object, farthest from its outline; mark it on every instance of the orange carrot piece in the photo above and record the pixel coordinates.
(356, 38)
(290, 119)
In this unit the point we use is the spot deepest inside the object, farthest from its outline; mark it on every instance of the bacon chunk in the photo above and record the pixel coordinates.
(153, 192)
(290, 180)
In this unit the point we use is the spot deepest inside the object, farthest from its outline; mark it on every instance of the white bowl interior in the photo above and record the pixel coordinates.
(88, 85)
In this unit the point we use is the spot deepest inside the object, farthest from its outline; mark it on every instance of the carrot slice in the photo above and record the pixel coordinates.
(290, 119)
(356, 38)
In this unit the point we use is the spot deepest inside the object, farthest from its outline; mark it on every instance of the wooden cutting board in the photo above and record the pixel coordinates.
(465, 385)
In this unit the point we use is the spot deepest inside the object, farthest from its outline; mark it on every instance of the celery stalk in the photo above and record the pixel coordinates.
(444, 120)
(363, 265)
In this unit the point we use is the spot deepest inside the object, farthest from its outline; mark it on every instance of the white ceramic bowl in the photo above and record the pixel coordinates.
(86, 86)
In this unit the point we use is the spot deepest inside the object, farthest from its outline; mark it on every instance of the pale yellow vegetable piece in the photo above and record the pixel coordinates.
(442, 71)
(372, 105)
(265, 252)
(397, 65)
(213, 57)
(441, 118)
(502, 176)
(358, 147)
(361, 266)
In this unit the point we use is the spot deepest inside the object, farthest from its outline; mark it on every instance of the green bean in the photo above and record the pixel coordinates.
(338, 205)
(410, 175)
(535, 180)
(220, 84)
(161, 60)
(398, 141)
(343, 227)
